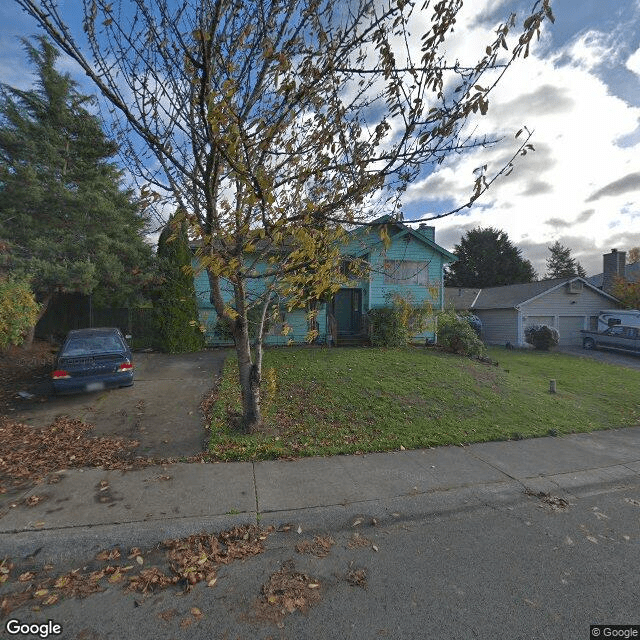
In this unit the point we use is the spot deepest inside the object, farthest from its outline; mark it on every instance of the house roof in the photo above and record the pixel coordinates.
(407, 230)
(631, 272)
(403, 229)
(460, 298)
(514, 295)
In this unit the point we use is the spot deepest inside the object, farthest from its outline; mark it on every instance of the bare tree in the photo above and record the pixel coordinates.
(275, 123)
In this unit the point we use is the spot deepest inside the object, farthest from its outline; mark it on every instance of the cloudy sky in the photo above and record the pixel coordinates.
(579, 91)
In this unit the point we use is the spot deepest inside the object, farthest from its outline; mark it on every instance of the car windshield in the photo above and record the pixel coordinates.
(92, 345)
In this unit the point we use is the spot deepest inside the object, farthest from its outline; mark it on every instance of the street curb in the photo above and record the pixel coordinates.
(78, 545)
(81, 544)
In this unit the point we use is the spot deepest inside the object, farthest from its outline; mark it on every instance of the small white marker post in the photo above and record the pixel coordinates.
(552, 386)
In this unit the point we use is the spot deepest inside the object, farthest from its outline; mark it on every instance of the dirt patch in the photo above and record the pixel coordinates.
(24, 375)
(484, 376)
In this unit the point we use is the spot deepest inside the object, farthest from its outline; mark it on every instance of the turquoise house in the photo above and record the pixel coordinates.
(410, 264)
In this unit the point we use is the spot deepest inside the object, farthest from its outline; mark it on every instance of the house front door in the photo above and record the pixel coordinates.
(347, 309)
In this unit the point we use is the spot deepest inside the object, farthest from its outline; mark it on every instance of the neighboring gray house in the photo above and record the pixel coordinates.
(568, 304)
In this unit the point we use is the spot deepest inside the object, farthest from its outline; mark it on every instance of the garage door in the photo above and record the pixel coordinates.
(569, 328)
(531, 320)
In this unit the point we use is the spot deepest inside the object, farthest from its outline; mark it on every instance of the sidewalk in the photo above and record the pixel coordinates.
(92, 509)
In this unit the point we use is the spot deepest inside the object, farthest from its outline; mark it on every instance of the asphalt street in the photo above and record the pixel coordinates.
(513, 567)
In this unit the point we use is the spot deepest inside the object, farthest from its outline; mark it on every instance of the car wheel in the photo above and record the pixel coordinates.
(588, 343)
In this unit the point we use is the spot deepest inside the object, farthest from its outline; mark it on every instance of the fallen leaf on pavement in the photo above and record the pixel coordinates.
(357, 540)
(357, 578)
(320, 547)
(285, 592)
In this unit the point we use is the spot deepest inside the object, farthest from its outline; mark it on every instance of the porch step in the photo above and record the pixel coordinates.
(352, 341)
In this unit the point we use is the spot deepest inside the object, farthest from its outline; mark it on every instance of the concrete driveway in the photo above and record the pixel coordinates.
(161, 410)
(610, 357)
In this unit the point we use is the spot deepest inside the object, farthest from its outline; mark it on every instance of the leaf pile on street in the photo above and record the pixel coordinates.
(197, 557)
(287, 591)
(357, 578)
(29, 454)
(190, 560)
(320, 547)
(357, 541)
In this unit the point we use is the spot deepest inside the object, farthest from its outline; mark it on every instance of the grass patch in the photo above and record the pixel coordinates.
(330, 401)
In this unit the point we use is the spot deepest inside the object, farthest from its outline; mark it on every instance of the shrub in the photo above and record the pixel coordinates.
(387, 328)
(395, 324)
(541, 336)
(18, 311)
(457, 335)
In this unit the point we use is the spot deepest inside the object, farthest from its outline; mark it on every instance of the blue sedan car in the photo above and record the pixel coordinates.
(93, 360)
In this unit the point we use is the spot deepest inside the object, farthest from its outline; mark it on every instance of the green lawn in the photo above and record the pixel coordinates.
(329, 401)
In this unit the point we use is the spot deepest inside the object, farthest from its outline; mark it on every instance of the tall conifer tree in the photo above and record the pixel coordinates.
(67, 220)
(560, 264)
(178, 325)
(487, 258)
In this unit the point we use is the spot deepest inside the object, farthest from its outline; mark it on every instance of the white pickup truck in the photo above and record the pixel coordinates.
(618, 338)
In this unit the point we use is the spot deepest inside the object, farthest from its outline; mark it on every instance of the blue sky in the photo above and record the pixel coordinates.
(579, 91)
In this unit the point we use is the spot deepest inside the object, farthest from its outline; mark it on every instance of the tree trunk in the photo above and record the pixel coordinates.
(28, 339)
(250, 375)
(250, 371)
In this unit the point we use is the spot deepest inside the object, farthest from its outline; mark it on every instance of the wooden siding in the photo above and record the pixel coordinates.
(560, 302)
(567, 312)
(296, 319)
(499, 326)
(375, 293)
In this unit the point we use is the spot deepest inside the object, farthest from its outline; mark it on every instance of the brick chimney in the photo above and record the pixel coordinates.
(428, 231)
(613, 265)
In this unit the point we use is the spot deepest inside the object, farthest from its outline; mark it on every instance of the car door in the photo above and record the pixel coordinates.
(628, 339)
(611, 338)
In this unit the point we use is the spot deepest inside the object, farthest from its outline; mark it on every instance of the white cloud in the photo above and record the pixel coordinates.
(633, 62)
(577, 123)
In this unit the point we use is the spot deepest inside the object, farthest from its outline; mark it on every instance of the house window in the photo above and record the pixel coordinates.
(406, 272)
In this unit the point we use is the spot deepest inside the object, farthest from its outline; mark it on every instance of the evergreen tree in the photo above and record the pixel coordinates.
(560, 264)
(69, 224)
(178, 324)
(487, 258)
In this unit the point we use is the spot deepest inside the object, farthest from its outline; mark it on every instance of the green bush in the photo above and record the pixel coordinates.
(395, 324)
(18, 311)
(541, 336)
(387, 328)
(457, 335)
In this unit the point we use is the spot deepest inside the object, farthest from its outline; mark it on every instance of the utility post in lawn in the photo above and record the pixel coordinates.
(278, 124)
